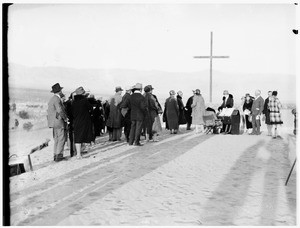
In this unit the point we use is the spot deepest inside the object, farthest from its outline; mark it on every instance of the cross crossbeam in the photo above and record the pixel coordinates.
(211, 57)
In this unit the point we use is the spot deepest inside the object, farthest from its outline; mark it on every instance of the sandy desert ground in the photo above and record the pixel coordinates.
(184, 179)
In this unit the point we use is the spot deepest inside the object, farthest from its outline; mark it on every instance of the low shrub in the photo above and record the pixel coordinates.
(27, 126)
(24, 114)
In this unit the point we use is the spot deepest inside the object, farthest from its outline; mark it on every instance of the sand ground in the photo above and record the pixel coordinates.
(184, 179)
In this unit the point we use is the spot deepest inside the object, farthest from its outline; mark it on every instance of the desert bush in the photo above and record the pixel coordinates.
(27, 126)
(24, 114)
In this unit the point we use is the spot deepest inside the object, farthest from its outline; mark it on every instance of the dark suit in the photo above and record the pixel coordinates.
(256, 110)
(227, 103)
(126, 118)
(137, 104)
(188, 113)
(57, 119)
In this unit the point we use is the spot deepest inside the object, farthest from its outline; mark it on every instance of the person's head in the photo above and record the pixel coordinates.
(80, 91)
(172, 93)
(119, 90)
(137, 87)
(151, 88)
(147, 89)
(257, 93)
(180, 93)
(128, 89)
(247, 97)
(194, 92)
(226, 93)
(56, 89)
(270, 93)
(274, 93)
(197, 92)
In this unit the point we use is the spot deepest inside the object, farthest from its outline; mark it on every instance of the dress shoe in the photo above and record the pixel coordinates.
(138, 144)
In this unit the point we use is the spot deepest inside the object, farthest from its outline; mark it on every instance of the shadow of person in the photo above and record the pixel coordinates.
(277, 169)
(231, 193)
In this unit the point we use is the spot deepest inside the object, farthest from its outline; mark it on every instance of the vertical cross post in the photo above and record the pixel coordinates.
(211, 58)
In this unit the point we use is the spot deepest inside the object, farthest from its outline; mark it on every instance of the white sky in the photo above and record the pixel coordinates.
(258, 38)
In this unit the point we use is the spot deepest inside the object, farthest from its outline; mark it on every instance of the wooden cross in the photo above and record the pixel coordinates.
(211, 58)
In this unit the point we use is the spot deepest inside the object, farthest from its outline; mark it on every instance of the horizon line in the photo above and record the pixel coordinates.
(151, 70)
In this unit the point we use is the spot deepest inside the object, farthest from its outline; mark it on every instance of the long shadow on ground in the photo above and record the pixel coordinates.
(234, 186)
(274, 179)
(139, 162)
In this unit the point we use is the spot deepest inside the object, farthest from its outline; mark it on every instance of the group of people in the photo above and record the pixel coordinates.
(77, 120)
(81, 118)
(255, 109)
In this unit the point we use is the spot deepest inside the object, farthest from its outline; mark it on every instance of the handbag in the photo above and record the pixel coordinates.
(156, 127)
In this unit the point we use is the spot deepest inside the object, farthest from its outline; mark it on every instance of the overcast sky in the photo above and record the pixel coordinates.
(258, 38)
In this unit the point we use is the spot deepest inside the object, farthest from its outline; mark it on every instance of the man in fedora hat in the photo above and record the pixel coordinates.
(137, 105)
(57, 119)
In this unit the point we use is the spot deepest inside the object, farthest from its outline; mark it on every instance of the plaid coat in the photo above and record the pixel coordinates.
(274, 107)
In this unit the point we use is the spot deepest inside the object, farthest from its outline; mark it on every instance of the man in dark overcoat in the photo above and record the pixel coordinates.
(137, 105)
(126, 113)
(188, 111)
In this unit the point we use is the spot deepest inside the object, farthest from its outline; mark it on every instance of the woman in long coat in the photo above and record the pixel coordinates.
(151, 112)
(182, 119)
(198, 108)
(114, 122)
(172, 112)
(83, 129)
(275, 115)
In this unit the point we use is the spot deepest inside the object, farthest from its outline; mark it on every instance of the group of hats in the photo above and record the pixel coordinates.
(136, 86)
(56, 88)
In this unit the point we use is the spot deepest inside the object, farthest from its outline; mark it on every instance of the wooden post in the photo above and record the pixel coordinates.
(211, 54)
(287, 180)
(30, 164)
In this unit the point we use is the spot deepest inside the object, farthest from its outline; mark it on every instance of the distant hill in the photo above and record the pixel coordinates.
(101, 81)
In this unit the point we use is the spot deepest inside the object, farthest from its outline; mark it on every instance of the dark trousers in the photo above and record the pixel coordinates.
(71, 142)
(188, 125)
(135, 132)
(148, 127)
(127, 126)
(248, 123)
(255, 124)
(115, 134)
